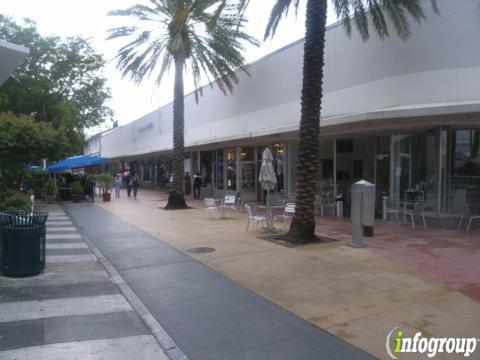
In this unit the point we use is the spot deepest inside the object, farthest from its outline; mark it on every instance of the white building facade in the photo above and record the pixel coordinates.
(404, 115)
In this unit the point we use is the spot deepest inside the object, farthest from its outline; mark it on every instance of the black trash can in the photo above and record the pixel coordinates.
(22, 243)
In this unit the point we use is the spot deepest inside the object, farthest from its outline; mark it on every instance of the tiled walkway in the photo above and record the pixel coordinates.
(72, 310)
(449, 256)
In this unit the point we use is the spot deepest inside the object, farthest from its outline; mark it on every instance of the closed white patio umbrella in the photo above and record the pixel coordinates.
(267, 178)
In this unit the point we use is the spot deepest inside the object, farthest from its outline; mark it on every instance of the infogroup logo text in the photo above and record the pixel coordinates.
(397, 344)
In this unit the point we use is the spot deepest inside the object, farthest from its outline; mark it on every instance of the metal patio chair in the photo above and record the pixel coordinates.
(391, 209)
(254, 219)
(287, 215)
(229, 205)
(417, 210)
(211, 207)
(468, 217)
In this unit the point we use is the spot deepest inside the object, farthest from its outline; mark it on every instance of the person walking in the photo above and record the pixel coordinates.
(128, 183)
(134, 185)
(197, 185)
(118, 185)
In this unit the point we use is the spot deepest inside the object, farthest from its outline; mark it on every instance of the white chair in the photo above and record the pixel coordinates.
(390, 209)
(211, 207)
(253, 218)
(287, 215)
(468, 217)
(418, 210)
(229, 205)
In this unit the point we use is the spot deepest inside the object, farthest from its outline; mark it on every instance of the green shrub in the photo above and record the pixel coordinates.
(50, 187)
(105, 181)
(12, 200)
(35, 180)
(77, 188)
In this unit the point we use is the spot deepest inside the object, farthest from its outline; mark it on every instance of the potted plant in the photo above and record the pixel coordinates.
(105, 181)
(77, 192)
(50, 190)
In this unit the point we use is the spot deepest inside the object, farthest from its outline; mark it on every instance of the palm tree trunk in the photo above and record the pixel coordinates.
(176, 198)
(302, 229)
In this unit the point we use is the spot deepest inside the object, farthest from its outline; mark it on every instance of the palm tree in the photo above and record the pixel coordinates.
(363, 14)
(205, 36)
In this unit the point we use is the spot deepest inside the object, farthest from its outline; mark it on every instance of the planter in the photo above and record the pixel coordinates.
(76, 198)
(106, 196)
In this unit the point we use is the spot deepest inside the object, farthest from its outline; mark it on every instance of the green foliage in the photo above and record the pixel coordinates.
(11, 200)
(24, 141)
(77, 188)
(60, 82)
(105, 181)
(35, 180)
(363, 13)
(51, 187)
(205, 35)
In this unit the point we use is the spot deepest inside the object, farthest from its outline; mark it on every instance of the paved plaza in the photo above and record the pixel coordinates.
(112, 291)
(356, 294)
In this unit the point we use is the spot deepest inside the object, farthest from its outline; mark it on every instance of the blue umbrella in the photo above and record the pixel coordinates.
(76, 162)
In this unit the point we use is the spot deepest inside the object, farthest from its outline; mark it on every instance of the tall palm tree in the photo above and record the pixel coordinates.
(205, 36)
(364, 14)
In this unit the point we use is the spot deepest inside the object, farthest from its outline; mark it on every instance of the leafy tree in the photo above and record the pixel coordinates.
(364, 14)
(202, 35)
(60, 82)
(24, 141)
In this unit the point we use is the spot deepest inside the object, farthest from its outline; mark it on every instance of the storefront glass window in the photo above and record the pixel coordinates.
(416, 168)
(464, 185)
(206, 168)
(231, 166)
(247, 163)
(325, 181)
(247, 154)
(219, 170)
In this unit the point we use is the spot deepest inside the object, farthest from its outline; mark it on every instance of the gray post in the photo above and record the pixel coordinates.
(384, 208)
(32, 201)
(363, 211)
(356, 215)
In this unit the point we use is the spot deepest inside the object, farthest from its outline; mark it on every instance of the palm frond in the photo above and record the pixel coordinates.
(208, 35)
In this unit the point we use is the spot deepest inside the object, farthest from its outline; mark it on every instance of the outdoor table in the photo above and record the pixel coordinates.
(269, 214)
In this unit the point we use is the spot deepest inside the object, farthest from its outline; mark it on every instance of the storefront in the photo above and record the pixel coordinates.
(440, 164)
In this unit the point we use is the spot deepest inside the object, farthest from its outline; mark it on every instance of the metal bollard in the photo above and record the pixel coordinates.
(363, 211)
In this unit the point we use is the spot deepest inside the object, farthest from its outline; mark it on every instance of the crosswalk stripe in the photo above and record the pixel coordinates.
(56, 259)
(30, 310)
(63, 236)
(81, 245)
(60, 228)
(126, 348)
(58, 223)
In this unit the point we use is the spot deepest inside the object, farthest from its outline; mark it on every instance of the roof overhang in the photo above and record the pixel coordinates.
(11, 56)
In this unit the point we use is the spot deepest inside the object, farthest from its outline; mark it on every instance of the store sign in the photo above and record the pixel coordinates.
(79, 171)
(146, 127)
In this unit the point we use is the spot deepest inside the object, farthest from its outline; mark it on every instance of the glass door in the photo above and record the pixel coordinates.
(402, 166)
(382, 172)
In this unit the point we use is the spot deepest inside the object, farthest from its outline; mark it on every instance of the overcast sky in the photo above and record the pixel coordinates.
(89, 19)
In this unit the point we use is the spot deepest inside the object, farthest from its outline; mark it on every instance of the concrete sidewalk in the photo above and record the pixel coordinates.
(356, 294)
(73, 310)
(208, 315)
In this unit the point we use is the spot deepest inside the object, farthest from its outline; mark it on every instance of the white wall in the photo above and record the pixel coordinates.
(440, 63)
